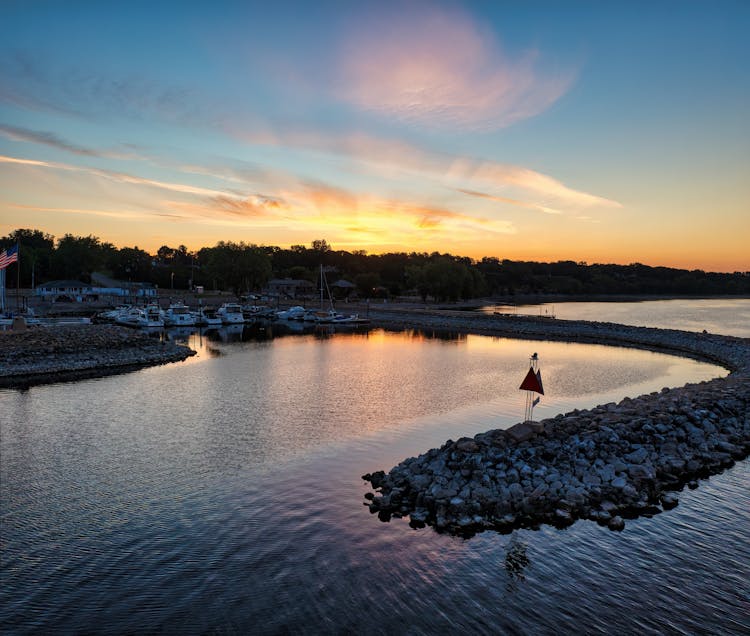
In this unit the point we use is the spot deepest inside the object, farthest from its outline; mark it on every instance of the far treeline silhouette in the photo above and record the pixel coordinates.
(242, 268)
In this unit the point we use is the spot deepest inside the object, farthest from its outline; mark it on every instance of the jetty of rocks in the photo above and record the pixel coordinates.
(69, 352)
(607, 464)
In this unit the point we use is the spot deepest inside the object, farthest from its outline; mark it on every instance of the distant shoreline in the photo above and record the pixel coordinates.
(545, 299)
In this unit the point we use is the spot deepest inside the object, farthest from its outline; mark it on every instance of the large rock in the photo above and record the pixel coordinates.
(521, 432)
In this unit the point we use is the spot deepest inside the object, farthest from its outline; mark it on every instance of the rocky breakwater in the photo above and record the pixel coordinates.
(607, 464)
(52, 354)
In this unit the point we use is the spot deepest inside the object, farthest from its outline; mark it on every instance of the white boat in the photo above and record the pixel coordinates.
(130, 317)
(330, 316)
(113, 314)
(150, 316)
(154, 316)
(206, 318)
(178, 315)
(230, 314)
(293, 313)
(254, 313)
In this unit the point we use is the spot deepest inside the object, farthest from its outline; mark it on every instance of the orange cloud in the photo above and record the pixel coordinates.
(397, 160)
(253, 206)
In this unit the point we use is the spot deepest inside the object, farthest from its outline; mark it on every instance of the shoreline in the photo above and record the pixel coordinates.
(612, 462)
(44, 355)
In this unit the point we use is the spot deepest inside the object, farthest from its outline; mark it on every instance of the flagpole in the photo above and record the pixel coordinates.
(18, 275)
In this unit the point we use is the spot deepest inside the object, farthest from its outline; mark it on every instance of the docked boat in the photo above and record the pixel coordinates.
(330, 316)
(293, 313)
(150, 316)
(206, 318)
(129, 316)
(333, 317)
(255, 313)
(230, 314)
(111, 315)
(154, 316)
(178, 315)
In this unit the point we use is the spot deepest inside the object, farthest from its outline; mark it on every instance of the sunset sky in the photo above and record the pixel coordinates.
(589, 131)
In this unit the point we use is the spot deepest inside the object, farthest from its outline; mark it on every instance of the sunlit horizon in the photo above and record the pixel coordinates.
(586, 133)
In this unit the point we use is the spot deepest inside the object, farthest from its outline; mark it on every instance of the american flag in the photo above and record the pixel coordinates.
(8, 256)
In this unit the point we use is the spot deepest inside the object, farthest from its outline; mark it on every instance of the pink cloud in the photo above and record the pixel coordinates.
(438, 68)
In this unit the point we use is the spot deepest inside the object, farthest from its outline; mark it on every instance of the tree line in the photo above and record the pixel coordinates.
(242, 268)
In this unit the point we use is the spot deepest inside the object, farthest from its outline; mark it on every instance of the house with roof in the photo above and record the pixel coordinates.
(77, 291)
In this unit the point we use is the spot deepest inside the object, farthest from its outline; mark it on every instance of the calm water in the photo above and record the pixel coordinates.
(730, 317)
(223, 495)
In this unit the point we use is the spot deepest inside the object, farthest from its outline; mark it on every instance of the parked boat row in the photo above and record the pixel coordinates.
(180, 315)
(325, 316)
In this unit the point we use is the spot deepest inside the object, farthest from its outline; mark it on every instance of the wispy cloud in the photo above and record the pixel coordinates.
(433, 217)
(46, 138)
(48, 85)
(253, 206)
(120, 214)
(394, 158)
(438, 67)
(541, 184)
(508, 200)
(26, 162)
(120, 177)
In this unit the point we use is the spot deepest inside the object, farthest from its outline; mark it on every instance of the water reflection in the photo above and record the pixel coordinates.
(516, 561)
(223, 494)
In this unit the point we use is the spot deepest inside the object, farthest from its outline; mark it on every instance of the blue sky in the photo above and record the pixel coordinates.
(602, 132)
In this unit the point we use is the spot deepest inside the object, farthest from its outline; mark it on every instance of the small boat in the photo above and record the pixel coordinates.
(111, 315)
(130, 317)
(330, 316)
(293, 313)
(178, 315)
(154, 316)
(254, 313)
(230, 314)
(206, 318)
(150, 316)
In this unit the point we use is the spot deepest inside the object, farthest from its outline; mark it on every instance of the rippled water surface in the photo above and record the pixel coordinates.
(223, 495)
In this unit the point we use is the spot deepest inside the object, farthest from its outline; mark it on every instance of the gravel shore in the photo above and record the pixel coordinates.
(52, 354)
(607, 464)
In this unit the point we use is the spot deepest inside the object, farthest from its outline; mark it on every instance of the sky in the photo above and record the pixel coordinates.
(603, 132)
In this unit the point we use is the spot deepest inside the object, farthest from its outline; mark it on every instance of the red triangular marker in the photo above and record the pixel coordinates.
(532, 382)
(539, 379)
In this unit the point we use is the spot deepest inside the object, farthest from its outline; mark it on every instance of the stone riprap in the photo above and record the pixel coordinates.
(67, 352)
(608, 463)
